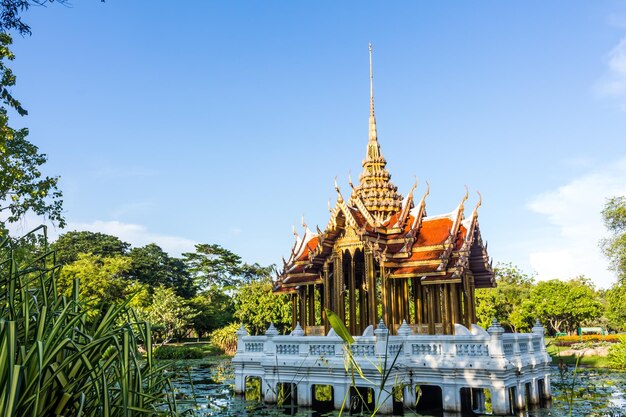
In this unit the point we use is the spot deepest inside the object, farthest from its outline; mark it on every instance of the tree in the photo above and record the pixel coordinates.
(614, 247)
(22, 186)
(102, 281)
(564, 305)
(506, 301)
(616, 306)
(214, 266)
(256, 306)
(215, 309)
(71, 244)
(10, 11)
(169, 312)
(152, 266)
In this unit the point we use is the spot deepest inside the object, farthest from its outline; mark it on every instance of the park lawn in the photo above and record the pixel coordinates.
(570, 360)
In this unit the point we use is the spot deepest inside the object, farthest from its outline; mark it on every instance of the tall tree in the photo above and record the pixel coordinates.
(256, 306)
(614, 247)
(215, 266)
(506, 301)
(23, 188)
(102, 281)
(69, 245)
(152, 266)
(564, 305)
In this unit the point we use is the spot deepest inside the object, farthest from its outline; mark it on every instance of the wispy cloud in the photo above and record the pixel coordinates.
(137, 235)
(574, 209)
(613, 84)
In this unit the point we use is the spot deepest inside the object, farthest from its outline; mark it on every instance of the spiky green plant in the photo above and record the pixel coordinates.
(52, 363)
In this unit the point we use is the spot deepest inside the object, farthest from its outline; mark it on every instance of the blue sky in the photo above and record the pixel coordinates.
(225, 122)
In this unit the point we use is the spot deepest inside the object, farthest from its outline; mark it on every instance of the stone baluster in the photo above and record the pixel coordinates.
(404, 332)
(538, 331)
(496, 347)
(382, 334)
(269, 347)
(241, 348)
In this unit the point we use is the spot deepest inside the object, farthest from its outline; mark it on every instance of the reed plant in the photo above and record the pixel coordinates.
(54, 362)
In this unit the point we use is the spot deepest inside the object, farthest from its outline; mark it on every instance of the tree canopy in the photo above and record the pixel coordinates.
(614, 247)
(69, 245)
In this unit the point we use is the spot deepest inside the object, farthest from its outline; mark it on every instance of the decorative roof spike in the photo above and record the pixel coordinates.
(480, 202)
(407, 206)
(329, 207)
(350, 180)
(293, 230)
(303, 223)
(421, 209)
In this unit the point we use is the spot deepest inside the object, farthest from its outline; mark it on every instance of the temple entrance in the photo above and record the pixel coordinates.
(322, 398)
(361, 400)
(429, 399)
(253, 389)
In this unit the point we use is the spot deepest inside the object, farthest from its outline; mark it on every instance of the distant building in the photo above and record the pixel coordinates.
(393, 274)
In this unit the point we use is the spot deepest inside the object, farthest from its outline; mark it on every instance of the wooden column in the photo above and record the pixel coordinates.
(386, 299)
(311, 302)
(432, 316)
(338, 296)
(446, 309)
(352, 298)
(405, 301)
(370, 275)
(294, 310)
(302, 292)
(327, 296)
(454, 300)
(417, 295)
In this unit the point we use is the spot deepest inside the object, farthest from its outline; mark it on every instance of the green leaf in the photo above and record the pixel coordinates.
(339, 327)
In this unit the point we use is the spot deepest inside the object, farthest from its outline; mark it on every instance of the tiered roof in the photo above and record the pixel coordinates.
(403, 239)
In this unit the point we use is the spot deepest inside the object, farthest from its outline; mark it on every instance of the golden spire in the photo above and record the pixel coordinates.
(375, 190)
(373, 134)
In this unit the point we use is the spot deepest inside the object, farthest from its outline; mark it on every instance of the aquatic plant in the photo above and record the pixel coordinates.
(54, 362)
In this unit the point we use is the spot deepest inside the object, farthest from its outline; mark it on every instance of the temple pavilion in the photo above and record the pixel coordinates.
(381, 256)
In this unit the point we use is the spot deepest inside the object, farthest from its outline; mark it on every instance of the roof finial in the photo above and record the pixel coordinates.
(373, 134)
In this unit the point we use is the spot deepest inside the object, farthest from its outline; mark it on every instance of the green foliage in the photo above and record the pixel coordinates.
(53, 363)
(215, 310)
(22, 186)
(170, 313)
(506, 301)
(152, 266)
(564, 305)
(178, 352)
(226, 338)
(11, 10)
(614, 247)
(69, 245)
(257, 306)
(617, 355)
(616, 306)
(102, 282)
(213, 266)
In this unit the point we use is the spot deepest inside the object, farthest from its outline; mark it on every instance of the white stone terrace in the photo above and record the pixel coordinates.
(514, 367)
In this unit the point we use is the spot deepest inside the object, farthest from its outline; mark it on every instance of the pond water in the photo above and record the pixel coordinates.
(592, 392)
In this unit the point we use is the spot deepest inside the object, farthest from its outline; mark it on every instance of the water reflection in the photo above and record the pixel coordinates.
(591, 393)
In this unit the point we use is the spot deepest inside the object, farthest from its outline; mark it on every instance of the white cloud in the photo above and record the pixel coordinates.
(135, 234)
(613, 83)
(574, 209)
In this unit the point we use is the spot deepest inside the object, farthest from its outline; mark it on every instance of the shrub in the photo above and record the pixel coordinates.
(53, 363)
(570, 340)
(178, 352)
(226, 338)
(617, 355)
